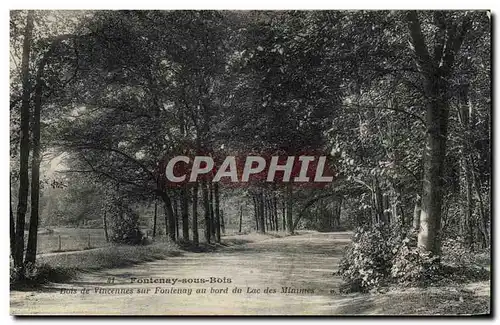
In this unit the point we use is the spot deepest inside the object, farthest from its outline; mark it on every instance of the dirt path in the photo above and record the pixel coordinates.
(304, 263)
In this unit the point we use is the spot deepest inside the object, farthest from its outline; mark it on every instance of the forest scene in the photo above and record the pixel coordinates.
(399, 103)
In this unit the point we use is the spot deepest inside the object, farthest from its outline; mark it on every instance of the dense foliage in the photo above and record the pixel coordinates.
(399, 101)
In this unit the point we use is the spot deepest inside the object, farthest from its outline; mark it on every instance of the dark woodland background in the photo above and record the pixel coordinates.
(399, 101)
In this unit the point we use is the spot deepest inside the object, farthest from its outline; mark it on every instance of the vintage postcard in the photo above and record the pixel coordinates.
(204, 162)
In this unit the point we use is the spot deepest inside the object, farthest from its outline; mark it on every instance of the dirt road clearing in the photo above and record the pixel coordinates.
(303, 264)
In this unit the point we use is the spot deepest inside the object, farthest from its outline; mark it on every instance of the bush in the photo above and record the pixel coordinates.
(411, 266)
(125, 227)
(368, 259)
(33, 275)
(382, 255)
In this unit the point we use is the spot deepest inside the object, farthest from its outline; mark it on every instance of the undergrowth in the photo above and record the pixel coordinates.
(384, 255)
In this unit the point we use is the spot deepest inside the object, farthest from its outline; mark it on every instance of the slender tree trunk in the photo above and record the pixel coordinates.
(386, 210)
(196, 239)
(222, 222)
(484, 220)
(24, 143)
(283, 208)
(12, 228)
(467, 204)
(241, 218)
(289, 206)
(185, 212)
(35, 166)
(167, 222)
(211, 210)
(176, 216)
(378, 200)
(169, 216)
(338, 212)
(217, 212)
(262, 226)
(466, 117)
(265, 211)
(105, 225)
(155, 217)
(271, 213)
(206, 205)
(275, 209)
(467, 225)
(255, 212)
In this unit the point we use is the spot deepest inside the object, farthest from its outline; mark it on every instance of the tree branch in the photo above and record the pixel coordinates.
(418, 42)
(395, 109)
(454, 43)
(138, 163)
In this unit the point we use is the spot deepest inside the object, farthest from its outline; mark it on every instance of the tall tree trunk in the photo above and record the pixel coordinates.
(206, 205)
(155, 217)
(217, 212)
(483, 225)
(430, 216)
(283, 208)
(24, 143)
(211, 210)
(289, 206)
(378, 200)
(255, 211)
(176, 215)
(222, 222)
(275, 209)
(262, 226)
(169, 215)
(386, 208)
(467, 205)
(467, 226)
(35, 165)
(196, 239)
(185, 212)
(241, 218)
(105, 225)
(338, 212)
(466, 117)
(12, 228)
(436, 71)
(265, 211)
(271, 213)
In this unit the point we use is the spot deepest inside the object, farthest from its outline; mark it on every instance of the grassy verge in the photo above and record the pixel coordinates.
(111, 257)
(65, 265)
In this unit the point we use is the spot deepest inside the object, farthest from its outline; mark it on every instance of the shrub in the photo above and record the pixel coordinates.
(411, 266)
(33, 275)
(125, 227)
(367, 261)
(382, 255)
